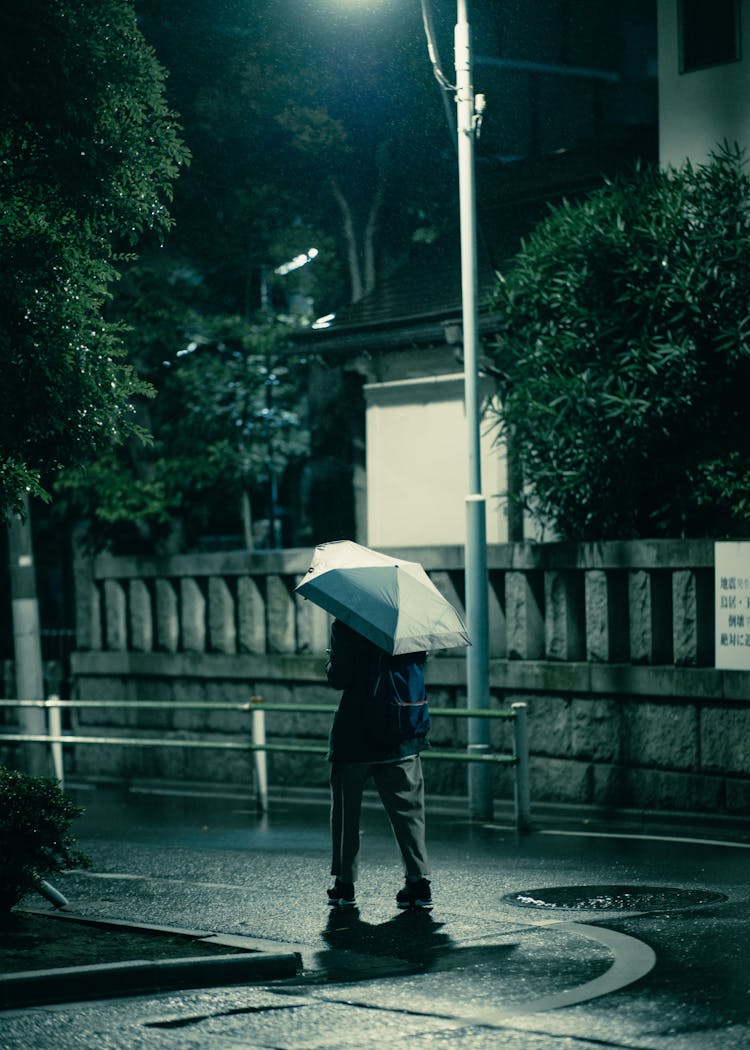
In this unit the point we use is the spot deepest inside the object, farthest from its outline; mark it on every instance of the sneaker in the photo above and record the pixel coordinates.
(415, 895)
(341, 895)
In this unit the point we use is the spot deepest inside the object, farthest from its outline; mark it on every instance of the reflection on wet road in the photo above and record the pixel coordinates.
(602, 939)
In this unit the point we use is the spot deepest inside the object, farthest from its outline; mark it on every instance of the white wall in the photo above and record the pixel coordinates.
(417, 464)
(700, 109)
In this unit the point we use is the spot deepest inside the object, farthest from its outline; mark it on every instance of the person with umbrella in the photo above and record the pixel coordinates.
(379, 729)
(388, 614)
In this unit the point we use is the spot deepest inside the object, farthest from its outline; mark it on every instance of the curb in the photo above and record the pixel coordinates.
(138, 976)
(37, 987)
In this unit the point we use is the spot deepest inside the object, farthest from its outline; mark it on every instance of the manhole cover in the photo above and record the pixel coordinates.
(613, 898)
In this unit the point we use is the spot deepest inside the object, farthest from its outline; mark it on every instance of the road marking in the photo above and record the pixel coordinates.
(633, 959)
(125, 876)
(647, 838)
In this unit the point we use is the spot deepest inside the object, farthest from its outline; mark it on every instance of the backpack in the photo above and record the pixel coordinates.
(398, 709)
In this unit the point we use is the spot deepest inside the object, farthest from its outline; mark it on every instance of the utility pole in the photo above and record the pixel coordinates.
(27, 646)
(468, 112)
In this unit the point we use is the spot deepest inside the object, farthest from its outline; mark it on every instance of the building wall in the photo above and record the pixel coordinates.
(417, 464)
(699, 109)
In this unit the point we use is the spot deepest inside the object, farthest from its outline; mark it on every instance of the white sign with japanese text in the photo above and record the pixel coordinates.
(732, 589)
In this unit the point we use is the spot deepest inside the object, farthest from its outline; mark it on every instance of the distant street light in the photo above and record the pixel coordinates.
(282, 270)
(274, 519)
(296, 262)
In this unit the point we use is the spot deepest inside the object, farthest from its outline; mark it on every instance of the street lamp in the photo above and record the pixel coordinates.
(468, 113)
(469, 110)
(274, 540)
(286, 267)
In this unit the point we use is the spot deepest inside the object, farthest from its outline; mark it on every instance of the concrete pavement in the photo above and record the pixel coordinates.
(579, 934)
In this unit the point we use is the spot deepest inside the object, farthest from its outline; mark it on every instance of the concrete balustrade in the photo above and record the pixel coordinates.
(611, 646)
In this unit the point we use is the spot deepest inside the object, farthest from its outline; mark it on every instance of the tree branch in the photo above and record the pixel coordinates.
(350, 234)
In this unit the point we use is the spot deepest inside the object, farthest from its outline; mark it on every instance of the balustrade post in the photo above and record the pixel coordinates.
(193, 612)
(650, 607)
(564, 614)
(167, 616)
(222, 629)
(251, 617)
(115, 616)
(141, 616)
(524, 608)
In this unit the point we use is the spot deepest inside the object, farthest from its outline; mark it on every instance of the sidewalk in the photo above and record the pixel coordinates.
(578, 931)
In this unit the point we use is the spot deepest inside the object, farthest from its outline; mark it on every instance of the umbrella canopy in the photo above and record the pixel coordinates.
(391, 602)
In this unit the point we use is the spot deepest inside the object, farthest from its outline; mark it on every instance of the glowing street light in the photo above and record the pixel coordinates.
(296, 262)
(287, 267)
(469, 110)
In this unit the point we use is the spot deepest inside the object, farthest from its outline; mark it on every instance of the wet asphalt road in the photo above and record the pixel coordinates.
(653, 953)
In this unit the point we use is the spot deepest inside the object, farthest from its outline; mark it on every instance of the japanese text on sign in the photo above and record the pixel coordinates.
(732, 591)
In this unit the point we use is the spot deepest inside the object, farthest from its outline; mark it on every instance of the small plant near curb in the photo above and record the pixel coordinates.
(35, 840)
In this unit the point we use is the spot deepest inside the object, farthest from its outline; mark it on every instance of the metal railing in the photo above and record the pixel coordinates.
(260, 745)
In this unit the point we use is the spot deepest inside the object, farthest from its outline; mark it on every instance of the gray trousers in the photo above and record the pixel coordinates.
(401, 789)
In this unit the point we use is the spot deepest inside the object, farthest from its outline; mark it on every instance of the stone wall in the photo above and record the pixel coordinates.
(611, 646)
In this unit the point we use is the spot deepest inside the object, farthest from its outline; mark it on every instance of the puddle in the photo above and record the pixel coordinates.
(613, 898)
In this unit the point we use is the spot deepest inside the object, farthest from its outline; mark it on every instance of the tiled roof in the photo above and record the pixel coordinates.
(428, 285)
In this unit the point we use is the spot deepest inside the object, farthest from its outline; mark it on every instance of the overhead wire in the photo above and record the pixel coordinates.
(432, 49)
(437, 68)
(449, 88)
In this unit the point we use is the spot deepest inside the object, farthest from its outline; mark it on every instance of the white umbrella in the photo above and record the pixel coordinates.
(390, 601)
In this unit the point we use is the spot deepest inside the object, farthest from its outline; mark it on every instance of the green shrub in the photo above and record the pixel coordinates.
(626, 354)
(35, 817)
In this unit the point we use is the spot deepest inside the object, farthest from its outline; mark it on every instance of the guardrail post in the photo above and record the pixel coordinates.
(259, 755)
(51, 893)
(54, 728)
(521, 751)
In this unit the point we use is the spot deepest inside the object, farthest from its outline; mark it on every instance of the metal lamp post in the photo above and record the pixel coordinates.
(477, 655)
(469, 112)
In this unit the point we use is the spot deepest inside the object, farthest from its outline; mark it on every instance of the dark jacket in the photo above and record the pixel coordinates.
(360, 669)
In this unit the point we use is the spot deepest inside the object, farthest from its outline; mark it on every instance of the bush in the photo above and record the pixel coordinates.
(626, 357)
(35, 817)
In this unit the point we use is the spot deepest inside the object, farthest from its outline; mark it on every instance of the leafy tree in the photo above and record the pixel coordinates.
(625, 356)
(88, 153)
(284, 159)
(280, 128)
(302, 135)
(243, 419)
(226, 422)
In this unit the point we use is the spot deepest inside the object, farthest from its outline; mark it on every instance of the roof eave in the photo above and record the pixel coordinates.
(411, 331)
